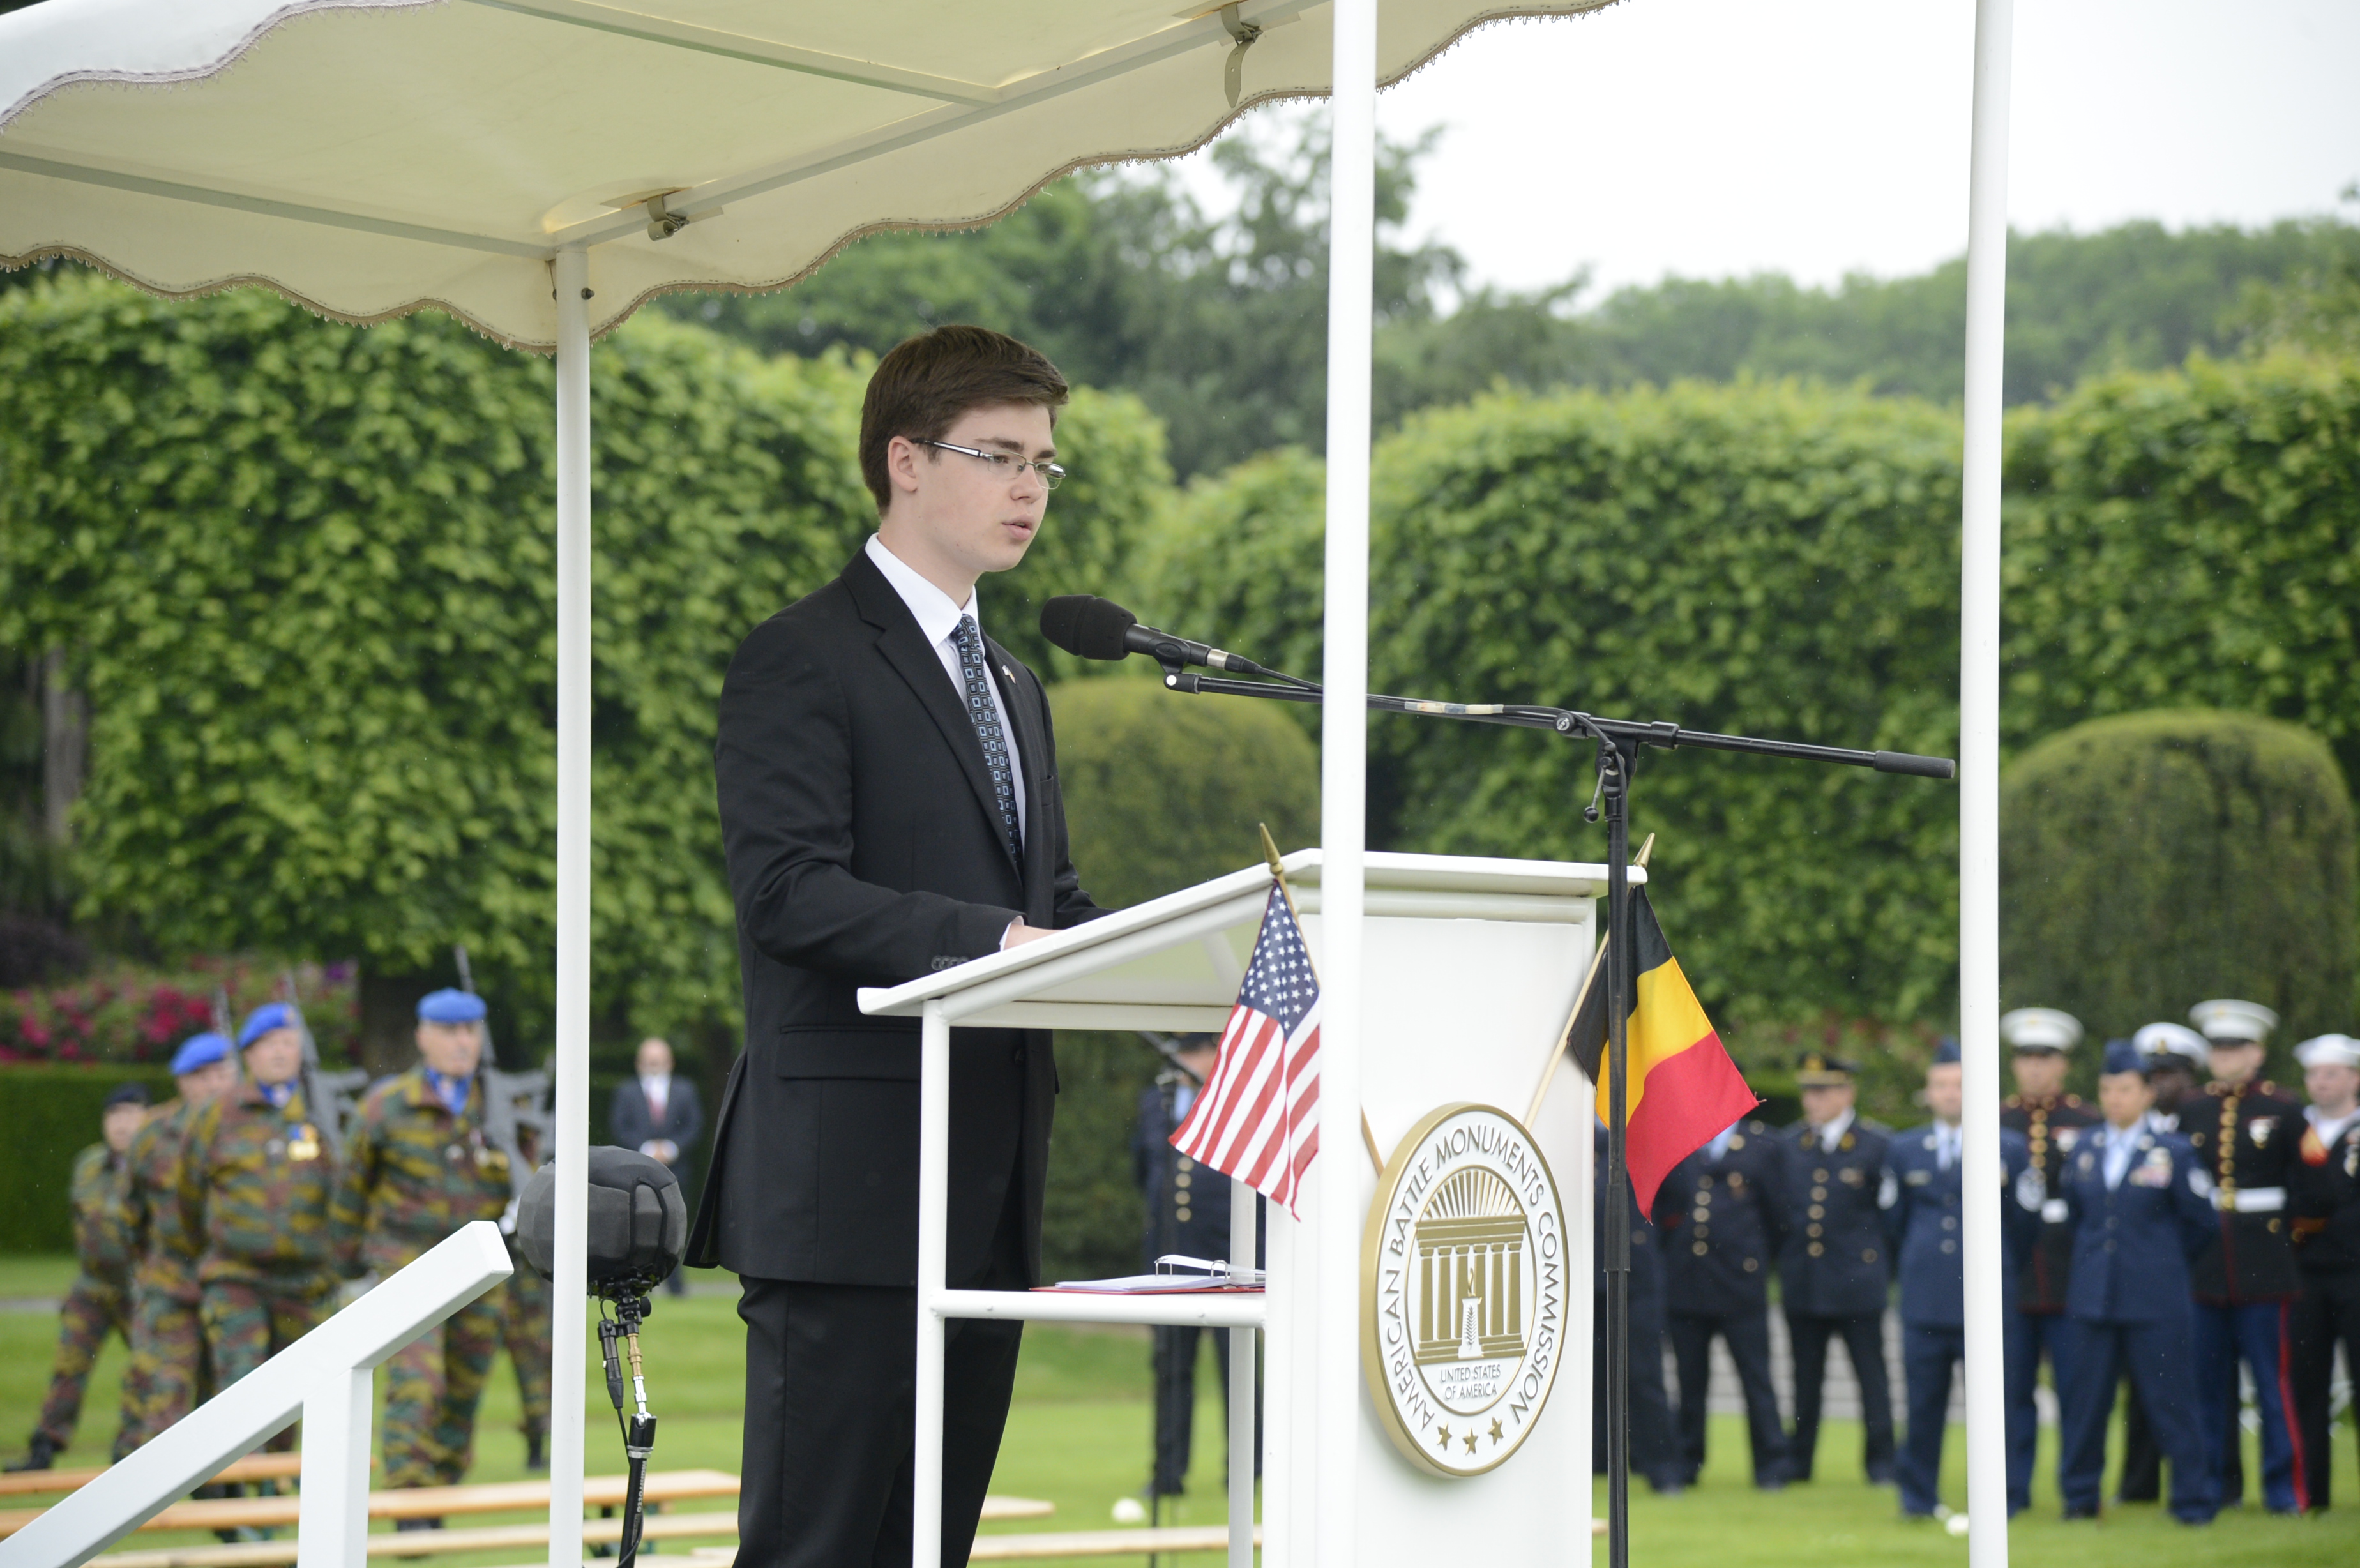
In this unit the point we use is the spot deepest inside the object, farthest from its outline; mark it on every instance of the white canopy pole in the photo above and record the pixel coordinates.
(1986, 1308)
(571, 274)
(1344, 1181)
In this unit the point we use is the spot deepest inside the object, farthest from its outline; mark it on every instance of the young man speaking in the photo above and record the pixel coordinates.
(889, 804)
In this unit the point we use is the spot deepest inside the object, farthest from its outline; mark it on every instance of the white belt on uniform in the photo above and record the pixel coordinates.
(2250, 1200)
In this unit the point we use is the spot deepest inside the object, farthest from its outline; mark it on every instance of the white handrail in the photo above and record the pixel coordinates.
(327, 1376)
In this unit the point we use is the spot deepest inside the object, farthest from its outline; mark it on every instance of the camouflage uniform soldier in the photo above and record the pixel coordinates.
(417, 1167)
(525, 1333)
(254, 1176)
(99, 1302)
(170, 1369)
(525, 1330)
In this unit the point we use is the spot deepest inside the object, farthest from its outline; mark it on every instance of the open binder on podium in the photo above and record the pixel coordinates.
(1475, 1310)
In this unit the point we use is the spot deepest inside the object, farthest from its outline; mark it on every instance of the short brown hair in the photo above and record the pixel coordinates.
(927, 383)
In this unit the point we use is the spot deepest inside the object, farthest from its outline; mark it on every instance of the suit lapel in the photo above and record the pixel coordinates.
(905, 648)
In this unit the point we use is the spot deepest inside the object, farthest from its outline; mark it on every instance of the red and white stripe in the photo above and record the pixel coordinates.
(1257, 1119)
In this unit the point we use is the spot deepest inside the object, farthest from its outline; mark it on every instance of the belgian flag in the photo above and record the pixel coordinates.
(1684, 1088)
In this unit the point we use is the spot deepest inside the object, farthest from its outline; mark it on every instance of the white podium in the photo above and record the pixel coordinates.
(1472, 967)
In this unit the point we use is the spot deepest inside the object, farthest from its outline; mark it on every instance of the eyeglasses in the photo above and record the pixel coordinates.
(1007, 465)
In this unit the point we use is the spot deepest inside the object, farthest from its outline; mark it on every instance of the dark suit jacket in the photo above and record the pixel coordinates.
(1723, 1222)
(864, 849)
(1837, 1262)
(684, 1115)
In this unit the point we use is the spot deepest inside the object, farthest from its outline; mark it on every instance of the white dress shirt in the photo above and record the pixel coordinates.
(1830, 1133)
(938, 620)
(657, 1089)
(1949, 1140)
(2329, 1128)
(2120, 1143)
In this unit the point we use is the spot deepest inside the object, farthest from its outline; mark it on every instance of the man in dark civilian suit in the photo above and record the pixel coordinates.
(660, 1115)
(1654, 1454)
(889, 801)
(2052, 1123)
(2141, 1206)
(1835, 1273)
(1924, 1198)
(1722, 1213)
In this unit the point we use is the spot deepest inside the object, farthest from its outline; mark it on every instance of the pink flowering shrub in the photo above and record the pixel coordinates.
(126, 1013)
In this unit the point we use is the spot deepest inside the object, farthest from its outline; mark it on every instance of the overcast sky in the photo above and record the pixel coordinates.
(1816, 137)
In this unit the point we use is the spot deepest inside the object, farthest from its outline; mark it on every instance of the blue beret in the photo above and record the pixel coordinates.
(263, 1020)
(449, 1007)
(1946, 1050)
(199, 1050)
(127, 1095)
(2122, 1056)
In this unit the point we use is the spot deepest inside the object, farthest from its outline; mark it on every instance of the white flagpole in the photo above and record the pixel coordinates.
(1344, 1184)
(571, 274)
(1979, 792)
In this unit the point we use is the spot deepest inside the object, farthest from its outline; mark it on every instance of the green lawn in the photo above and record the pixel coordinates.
(1078, 1437)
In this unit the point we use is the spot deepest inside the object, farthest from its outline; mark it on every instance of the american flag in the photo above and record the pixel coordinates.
(1257, 1117)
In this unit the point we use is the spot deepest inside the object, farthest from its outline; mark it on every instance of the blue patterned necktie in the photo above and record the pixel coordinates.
(985, 715)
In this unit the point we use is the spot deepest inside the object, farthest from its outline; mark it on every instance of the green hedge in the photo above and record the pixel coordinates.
(2152, 860)
(47, 1115)
(1161, 791)
(1769, 560)
(307, 573)
(2189, 539)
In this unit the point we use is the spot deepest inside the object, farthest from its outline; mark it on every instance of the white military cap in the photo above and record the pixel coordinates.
(2173, 1040)
(2039, 1028)
(2329, 1050)
(2229, 1019)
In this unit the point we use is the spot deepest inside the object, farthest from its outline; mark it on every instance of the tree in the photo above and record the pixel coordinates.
(2151, 860)
(1220, 327)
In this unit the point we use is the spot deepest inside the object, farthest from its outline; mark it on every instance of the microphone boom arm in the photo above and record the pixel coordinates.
(1627, 734)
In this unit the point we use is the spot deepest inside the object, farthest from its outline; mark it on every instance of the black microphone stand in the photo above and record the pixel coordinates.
(1619, 742)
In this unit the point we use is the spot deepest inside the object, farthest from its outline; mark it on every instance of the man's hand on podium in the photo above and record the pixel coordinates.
(1019, 933)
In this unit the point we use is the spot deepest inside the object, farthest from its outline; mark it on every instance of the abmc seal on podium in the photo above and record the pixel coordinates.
(1463, 1268)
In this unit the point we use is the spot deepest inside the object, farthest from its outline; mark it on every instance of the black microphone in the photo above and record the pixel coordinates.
(1090, 628)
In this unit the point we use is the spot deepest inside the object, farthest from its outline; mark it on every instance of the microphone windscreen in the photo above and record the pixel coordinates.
(1086, 625)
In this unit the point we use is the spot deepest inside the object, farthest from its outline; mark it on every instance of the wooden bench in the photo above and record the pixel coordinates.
(502, 1537)
(253, 1468)
(418, 1502)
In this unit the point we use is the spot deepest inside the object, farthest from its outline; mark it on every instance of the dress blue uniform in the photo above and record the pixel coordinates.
(1188, 1213)
(1722, 1213)
(1925, 1207)
(1653, 1453)
(2327, 1249)
(2141, 1206)
(1835, 1277)
(2051, 1125)
(2246, 1281)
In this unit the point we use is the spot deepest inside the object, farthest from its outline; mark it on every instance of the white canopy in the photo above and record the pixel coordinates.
(367, 157)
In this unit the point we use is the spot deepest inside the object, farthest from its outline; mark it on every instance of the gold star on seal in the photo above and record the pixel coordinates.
(1442, 1440)
(1471, 1440)
(1496, 1433)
